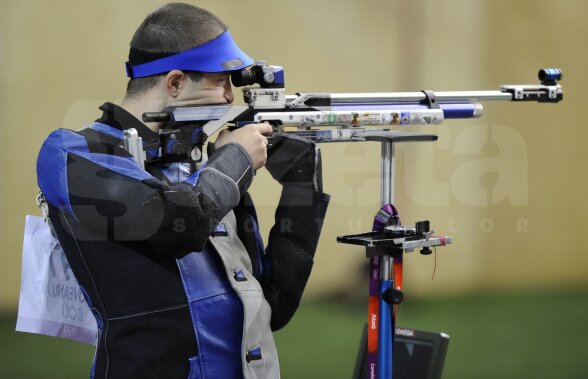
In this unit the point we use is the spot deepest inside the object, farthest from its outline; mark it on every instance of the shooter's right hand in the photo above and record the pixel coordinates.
(251, 138)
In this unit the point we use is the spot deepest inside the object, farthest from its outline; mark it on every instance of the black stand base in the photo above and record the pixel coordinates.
(417, 355)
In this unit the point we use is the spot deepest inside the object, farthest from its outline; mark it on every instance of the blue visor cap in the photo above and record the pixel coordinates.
(218, 55)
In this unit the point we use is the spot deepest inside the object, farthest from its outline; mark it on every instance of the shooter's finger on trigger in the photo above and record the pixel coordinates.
(264, 128)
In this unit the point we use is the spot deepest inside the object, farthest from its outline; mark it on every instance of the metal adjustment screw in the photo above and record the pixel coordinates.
(196, 154)
(269, 77)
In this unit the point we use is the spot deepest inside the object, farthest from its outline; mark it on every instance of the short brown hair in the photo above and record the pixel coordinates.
(170, 29)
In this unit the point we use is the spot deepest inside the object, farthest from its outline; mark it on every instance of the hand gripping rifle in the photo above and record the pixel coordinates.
(349, 117)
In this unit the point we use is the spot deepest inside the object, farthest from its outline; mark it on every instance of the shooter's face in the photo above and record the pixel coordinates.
(213, 88)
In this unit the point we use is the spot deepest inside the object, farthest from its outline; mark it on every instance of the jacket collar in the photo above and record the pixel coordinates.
(117, 117)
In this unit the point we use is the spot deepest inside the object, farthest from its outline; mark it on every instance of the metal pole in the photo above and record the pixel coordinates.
(416, 97)
(387, 185)
(386, 327)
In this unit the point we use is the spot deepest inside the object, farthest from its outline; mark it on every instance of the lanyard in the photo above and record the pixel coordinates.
(380, 220)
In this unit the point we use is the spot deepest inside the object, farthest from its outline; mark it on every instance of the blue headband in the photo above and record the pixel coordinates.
(218, 55)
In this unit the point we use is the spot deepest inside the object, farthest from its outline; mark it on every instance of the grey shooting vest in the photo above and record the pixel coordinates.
(257, 333)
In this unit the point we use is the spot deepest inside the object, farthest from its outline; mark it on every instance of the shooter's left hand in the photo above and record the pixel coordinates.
(295, 161)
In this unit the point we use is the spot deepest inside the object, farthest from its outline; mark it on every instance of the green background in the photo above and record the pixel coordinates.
(514, 336)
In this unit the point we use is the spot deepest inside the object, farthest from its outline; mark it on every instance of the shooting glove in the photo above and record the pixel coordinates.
(295, 161)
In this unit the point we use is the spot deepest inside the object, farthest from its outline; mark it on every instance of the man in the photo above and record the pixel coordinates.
(169, 258)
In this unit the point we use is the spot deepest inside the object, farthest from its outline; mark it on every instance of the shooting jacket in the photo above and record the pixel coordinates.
(170, 260)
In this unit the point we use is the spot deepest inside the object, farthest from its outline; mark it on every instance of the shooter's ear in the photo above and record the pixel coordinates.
(174, 80)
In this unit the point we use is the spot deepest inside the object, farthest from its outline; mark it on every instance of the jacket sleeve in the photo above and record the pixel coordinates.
(103, 194)
(291, 247)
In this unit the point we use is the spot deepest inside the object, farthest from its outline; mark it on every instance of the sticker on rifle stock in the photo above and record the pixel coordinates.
(344, 119)
(415, 118)
(371, 118)
(332, 119)
(395, 118)
(356, 121)
(392, 118)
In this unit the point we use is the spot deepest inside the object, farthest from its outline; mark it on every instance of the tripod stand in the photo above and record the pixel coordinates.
(386, 244)
(385, 248)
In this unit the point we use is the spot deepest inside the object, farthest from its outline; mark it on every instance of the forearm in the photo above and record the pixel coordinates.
(218, 188)
(107, 196)
(291, 247)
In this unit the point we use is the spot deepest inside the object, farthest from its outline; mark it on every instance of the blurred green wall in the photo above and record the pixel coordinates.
(510, 186)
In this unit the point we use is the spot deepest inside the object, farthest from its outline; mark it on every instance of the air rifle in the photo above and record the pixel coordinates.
(331, 117)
